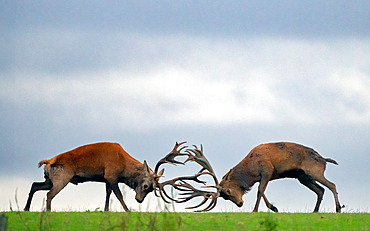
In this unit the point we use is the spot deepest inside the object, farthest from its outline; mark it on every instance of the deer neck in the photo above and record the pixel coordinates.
(244, 178)
(132, 177)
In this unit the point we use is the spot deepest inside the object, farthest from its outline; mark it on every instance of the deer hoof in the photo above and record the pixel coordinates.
(273, 208)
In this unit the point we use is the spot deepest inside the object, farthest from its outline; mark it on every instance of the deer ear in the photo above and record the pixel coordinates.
(146, 167)
(160, 173)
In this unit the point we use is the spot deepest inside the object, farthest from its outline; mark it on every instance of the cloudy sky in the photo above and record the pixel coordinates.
(227, 74)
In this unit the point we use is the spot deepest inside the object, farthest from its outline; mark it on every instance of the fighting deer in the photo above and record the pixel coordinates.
(99, 162)
(111, 164)
(272, 161)
(264, 163)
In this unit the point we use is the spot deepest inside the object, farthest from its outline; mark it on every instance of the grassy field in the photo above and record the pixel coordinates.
(186, 221)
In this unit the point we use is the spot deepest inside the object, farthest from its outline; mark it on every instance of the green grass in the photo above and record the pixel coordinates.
(186, 221)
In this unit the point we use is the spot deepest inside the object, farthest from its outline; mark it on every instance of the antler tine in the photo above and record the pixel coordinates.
(183, 178)
(192, 194)
(182, 186)
(178, 145)
(199, 158)
(170, 158)
(201, 148)
(193, 178)
(207, 196)
(210, 206)
(200, 204)
(197, 151)
(162, 191)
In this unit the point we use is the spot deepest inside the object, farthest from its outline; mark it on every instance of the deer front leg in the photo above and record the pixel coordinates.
(268, 204)
(261, 193)
(257, 202)
(117, 192)
(36, 186)
(108, 192)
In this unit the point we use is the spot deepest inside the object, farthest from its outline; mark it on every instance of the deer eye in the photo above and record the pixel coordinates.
(228, 192)
(146, 186)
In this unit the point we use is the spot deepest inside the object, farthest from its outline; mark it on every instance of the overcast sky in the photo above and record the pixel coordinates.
(227, 74)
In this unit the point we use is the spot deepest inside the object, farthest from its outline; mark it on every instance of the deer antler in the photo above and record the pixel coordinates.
(180, 183)
(179, 186)
(170, 157)
(199, 158)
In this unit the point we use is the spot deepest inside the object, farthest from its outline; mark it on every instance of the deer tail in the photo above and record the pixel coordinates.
(331, 161)
(51, 161)
(41, 163)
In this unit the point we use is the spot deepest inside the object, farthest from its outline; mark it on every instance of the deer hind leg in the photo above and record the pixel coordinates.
(321, 179)
(58, 185)
(117, 192)
(261, 193)
(307, 181)
(36, 186)
(60, 177)
(108, 193)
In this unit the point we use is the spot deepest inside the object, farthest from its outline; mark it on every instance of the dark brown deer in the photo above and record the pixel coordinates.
(272, 161)
(99, 162)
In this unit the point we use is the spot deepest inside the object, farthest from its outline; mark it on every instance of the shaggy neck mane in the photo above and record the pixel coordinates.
(133, 179)
(241, 179)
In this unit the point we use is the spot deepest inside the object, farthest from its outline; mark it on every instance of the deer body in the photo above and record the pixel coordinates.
(271, 161)
(99, 162)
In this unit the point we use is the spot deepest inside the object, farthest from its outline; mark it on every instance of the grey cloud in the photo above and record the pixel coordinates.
(66, 51)
(246, 18)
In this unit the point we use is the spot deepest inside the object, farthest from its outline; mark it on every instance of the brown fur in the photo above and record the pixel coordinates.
(274, 161)
(100, 162)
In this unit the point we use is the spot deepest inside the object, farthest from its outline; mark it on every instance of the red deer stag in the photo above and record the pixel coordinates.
(100, 162)
(272, 161)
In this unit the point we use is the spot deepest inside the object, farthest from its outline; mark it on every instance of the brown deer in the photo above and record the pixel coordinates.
(264, 163)
(272, 161)
(99, 162)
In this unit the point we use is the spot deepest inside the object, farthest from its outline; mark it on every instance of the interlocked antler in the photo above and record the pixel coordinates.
(199, 158)
(180, 183)
(170, 157)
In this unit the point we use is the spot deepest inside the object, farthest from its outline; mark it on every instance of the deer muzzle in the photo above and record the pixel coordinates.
(240, 204)
(139, 198)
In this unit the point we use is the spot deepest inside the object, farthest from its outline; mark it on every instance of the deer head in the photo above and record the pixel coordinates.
(146, 184)
(230, 190)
